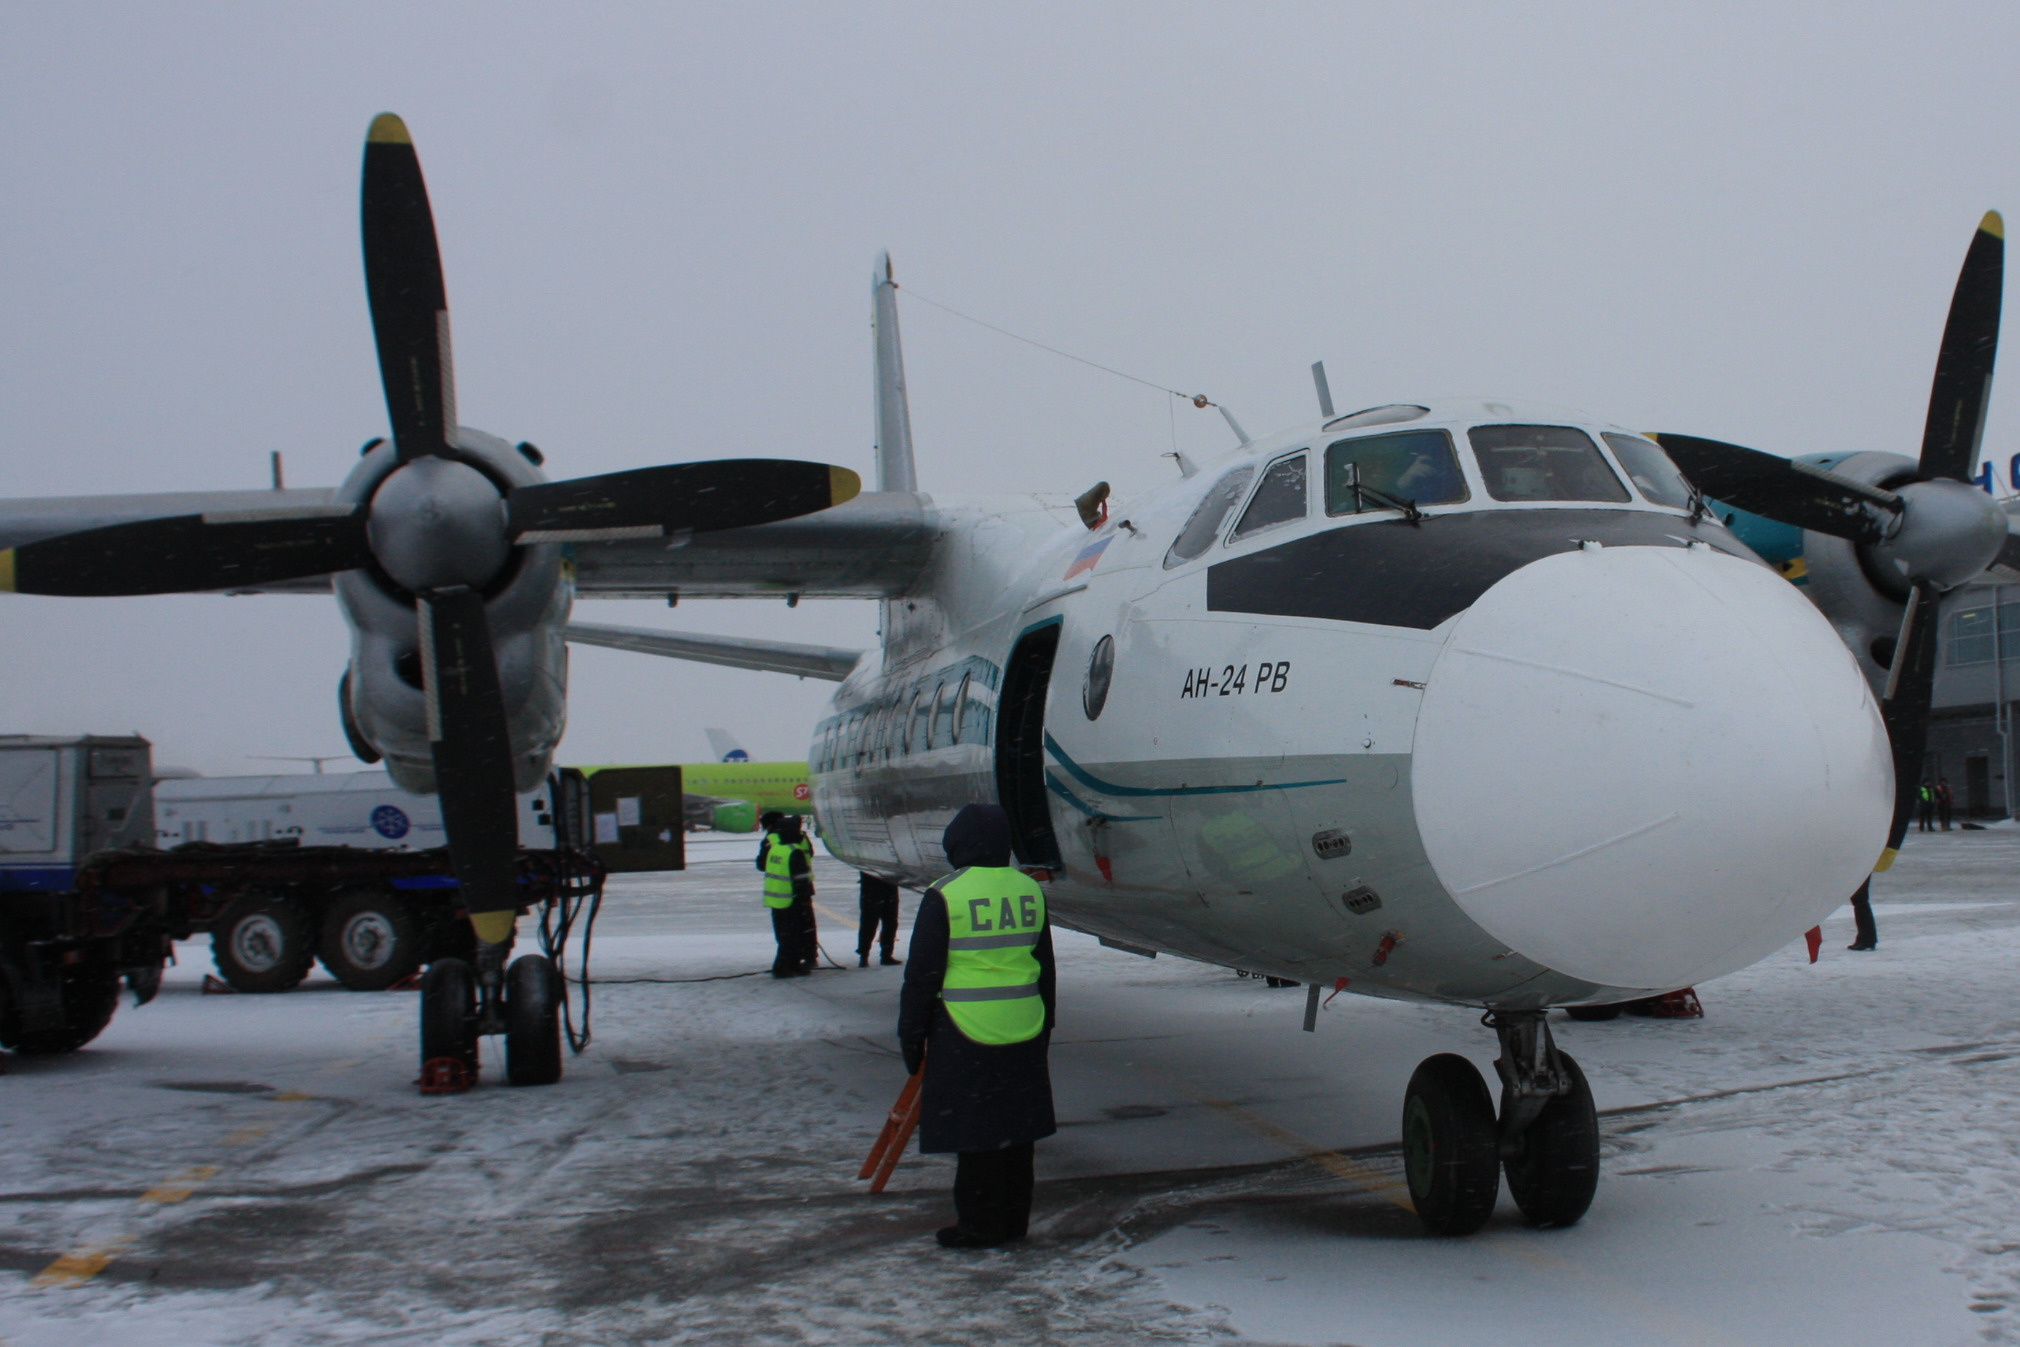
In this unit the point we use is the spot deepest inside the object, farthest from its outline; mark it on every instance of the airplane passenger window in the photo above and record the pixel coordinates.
(1543, 463)
(1204, 526)
(1649, 468)
(1413, 465)
(1280, 498)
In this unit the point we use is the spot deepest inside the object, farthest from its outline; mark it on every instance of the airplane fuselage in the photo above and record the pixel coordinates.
(1558, 738)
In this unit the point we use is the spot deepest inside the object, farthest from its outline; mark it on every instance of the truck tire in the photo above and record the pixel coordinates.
(370, 939)
(263, 943)
(532, 1021)
(89, 997)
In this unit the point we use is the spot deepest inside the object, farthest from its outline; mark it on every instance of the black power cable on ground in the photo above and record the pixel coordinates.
(576, 886)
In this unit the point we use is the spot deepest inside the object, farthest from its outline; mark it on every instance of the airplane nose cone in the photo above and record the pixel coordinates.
(1647, 766)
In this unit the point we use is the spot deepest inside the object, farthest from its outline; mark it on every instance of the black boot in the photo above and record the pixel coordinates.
(888, 961)
(960, 1237)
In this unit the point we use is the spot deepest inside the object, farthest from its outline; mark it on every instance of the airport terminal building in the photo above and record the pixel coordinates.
(1977, 684)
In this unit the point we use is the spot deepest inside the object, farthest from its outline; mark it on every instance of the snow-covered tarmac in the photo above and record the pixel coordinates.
(1828, 1157)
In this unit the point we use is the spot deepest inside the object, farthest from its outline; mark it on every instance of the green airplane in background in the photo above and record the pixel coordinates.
(729, 794)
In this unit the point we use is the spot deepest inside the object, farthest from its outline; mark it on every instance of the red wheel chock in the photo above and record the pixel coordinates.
(1678, 1005)
(446, 1075)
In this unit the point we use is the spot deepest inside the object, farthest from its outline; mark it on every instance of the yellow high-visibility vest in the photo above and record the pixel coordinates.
(778, 872)
(994, 916)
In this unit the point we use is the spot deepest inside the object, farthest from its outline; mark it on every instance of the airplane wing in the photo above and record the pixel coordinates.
(808, 661)
(874, 546)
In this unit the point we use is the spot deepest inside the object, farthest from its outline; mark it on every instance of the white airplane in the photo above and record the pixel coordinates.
(1472, 702)
(1469, 701)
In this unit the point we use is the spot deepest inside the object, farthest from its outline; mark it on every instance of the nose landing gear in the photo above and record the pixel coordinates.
(460, 1004)
(1546, 1138)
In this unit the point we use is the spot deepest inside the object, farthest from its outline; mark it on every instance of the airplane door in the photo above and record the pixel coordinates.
(1020, 745)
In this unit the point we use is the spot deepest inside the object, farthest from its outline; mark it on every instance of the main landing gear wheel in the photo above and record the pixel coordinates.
(1553, 1167)
(370, 939)
(1611, 1012)
(263, 944)
(532, 1021)
(448, 1027)
(1450, 1151)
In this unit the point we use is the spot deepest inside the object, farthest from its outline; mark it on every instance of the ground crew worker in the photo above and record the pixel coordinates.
(1946, 800)
(1925, 808)
(977, 1011)
(789, 893)
(768, 824)
(880, 910)
(792, 834)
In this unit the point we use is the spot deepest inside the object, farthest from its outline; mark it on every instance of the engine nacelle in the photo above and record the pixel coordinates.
(527, 608)
(1851, 585)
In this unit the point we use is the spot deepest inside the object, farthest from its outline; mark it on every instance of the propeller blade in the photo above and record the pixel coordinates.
(699, 497)
(1782, 489)
(472, 749)
(239, 549)
(1911, 685)
(1963, 384)
(403, 281)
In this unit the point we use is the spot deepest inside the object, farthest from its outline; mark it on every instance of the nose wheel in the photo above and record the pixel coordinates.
(461, 1004)
(1546, 1136)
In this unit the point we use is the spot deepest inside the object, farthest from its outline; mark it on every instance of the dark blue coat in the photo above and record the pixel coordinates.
(976, 1097)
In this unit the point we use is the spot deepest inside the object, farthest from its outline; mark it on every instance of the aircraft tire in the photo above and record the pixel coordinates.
(1611, 1012)
(370, 939)
(89, 998)
(1450, 1154)
(263, 943)
(1555, 1170)
(532, 1021)
(449, 1013)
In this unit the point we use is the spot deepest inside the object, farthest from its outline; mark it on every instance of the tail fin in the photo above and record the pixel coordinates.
(725, 748)
(895, 471)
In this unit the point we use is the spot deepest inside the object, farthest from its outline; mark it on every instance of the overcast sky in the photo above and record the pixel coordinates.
(658, 223)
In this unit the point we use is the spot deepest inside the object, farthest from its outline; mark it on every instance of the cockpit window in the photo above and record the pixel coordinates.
(1413, 465)
(1204, 526)
(1543, 463)
(1649, 468)
(1279, 499)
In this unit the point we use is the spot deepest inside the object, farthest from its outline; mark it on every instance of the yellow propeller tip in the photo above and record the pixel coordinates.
(843, 484)
(1886, 861)
(388, 129)
(1992, 224)
(7, 571)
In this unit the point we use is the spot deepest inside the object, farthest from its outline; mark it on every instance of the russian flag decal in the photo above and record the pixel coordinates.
(1089, 555)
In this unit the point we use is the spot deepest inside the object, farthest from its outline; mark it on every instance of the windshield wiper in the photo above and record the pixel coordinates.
(1382, 498)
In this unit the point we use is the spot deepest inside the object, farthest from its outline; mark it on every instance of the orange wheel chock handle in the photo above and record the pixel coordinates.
(898, 1144)
(894, 1122)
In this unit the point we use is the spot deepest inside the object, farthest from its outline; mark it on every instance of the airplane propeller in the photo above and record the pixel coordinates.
(437, 527)
(1925, 535)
